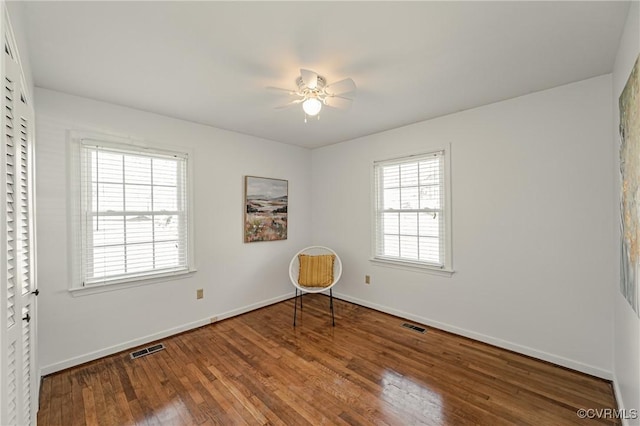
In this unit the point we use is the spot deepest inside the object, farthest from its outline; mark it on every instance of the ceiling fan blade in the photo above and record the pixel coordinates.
(338, 102)
(341, 87)
(309, 78)
(290, 104)
(279, 89)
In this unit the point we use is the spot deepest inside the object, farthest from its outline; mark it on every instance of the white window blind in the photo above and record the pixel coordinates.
(410, 217)
(134, 213)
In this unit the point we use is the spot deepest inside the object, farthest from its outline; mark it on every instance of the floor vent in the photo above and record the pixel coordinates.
(147, 351)
(414, 327)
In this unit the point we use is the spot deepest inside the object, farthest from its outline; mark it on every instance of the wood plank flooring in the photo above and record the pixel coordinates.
(257, 369)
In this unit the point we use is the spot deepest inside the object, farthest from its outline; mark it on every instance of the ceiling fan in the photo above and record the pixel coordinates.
(313, 92)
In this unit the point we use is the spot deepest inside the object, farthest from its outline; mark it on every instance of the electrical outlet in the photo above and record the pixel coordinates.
(199, 293)
(367, 279)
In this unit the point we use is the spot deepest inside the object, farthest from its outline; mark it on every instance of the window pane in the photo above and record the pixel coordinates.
(139, 257)
(109, 168)
(91, 175)
(107, 261)
(108, 197)
(137, 169)
(430, 249)
(409, 223)
(391, 199)
(429, 224)
(409, 197)
(408, 247)
(165, 198)
(390, 223)
(411, 194)
(391, 176)
(409, 174)
(138, 198)
(108, 230)
(167, 254)
(165, 172)
(391, 246)
(430, 197)
(124, 236)
(139, 229)
(166, 227)
(430, 171)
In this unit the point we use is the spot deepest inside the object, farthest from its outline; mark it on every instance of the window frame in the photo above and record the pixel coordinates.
(77, 246)
(446, 269)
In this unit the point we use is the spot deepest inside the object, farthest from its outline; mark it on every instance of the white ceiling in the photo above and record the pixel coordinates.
(209, 62)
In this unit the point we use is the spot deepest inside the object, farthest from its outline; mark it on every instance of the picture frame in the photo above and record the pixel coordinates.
(266, 204)
(629, 104)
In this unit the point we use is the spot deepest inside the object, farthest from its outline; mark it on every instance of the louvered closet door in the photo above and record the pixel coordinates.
(17, 369)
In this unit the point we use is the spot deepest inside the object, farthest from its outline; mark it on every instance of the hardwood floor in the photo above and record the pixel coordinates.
(257, 369)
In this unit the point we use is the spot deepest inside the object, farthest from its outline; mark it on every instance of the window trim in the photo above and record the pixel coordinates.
(122, 284)
(416, 266)
(75, 141)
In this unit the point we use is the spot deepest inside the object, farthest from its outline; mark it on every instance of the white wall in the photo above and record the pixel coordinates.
(532, 221)
(235, 276)
(626, 323)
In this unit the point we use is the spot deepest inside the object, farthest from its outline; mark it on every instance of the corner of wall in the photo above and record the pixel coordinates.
(626, 324)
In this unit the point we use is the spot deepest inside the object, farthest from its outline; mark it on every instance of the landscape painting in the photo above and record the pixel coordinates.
(629, 104)
(266, 202)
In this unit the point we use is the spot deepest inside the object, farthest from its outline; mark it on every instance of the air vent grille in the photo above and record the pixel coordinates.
(414, 327)
(147, 351)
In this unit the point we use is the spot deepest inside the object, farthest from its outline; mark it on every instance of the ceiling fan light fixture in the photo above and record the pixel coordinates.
(313, 93)
(312, 106)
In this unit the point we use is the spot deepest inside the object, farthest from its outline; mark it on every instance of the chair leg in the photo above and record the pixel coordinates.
(295, 308)
(333, 318)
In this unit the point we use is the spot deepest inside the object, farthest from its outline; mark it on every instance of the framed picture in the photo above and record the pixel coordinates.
(629, 104)
(265, 209)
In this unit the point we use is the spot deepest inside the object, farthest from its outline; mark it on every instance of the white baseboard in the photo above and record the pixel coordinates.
(91, 356)
(617, 393)
(555, 359)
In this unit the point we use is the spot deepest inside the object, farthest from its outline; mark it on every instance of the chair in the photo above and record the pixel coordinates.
(294, 272)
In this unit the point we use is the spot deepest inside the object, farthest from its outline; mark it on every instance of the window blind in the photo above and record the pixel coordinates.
(134, 213)
(409, 209)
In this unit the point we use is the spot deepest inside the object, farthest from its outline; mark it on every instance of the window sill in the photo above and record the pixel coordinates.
(134, 282)
(411, 266)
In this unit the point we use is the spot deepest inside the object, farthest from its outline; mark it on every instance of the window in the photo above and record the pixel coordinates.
(134, 221)
(412, 225)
